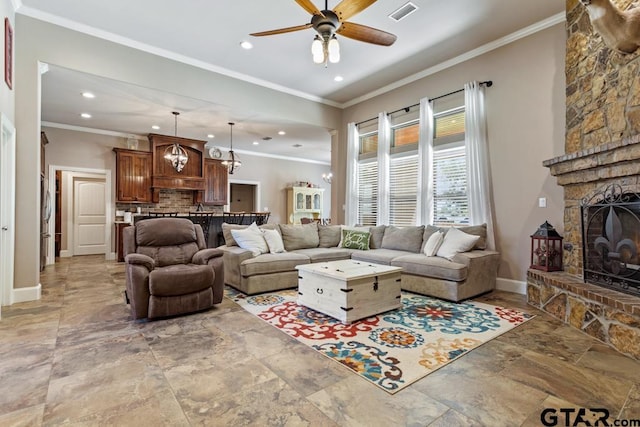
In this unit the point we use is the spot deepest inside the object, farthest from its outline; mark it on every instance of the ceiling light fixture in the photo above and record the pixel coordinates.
(85, 115)
(155, 127)
(211, 135)
(327, 177)
(175, 154)
(232, 162)
(338, 78)
(88, 95)
(282, 132)
(246, 45)
(256, 143)
(325, 49)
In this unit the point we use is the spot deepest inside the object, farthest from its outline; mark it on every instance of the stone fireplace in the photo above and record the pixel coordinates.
(600, 168)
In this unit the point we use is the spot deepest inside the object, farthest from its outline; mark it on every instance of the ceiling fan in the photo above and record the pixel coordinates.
(328, 23)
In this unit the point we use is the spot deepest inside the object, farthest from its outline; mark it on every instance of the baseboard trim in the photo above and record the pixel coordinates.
(65, 254)
(111, 256)
(32, 293)
(510, 285)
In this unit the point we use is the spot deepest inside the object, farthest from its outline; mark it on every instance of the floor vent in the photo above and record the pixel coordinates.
(403, 11)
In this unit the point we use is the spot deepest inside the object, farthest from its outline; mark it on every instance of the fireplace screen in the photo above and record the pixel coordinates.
(610, 240)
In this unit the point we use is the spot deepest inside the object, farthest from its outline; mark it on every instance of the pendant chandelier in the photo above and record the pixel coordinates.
(175, 154)
(232, 162)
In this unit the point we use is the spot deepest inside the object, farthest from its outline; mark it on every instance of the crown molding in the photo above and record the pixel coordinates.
(106, 35)
(17, 4)
(503, 41)
(280, 157)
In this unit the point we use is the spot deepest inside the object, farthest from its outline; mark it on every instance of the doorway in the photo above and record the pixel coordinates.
(244, 196)
(7, 208)
(92, 230)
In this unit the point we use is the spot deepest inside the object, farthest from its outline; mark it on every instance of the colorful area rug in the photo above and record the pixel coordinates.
(392, 349)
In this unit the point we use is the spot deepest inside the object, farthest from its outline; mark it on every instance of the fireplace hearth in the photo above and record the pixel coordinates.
(610, 236)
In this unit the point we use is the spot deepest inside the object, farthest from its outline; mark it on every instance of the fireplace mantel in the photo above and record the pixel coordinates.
(609, 161)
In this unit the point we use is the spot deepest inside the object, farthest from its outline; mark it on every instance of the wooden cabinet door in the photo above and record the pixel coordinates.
(133, 176)
(215, 176)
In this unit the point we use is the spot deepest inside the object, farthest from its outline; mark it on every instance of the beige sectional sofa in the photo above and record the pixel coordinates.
(463, 276)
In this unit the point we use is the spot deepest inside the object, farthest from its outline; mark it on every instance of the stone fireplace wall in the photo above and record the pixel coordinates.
(602, 122)
(602, 147)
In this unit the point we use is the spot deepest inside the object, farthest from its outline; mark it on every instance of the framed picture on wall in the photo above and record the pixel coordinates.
(8, 53)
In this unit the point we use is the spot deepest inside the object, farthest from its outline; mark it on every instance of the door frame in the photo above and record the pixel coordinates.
(7, 208)
(256, 197)
(108, 203)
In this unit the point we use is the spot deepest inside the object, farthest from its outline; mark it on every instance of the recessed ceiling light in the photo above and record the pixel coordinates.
(85, 115)
(338, 78)
(88, 95)
(211, 135)
(246, 45)
(282, 132)
(155, 127)
(256, 143)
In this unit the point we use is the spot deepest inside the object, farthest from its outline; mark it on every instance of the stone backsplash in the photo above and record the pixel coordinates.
(603, 86)
(170, 201)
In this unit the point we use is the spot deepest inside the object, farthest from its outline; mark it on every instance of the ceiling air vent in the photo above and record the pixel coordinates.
(403, 11)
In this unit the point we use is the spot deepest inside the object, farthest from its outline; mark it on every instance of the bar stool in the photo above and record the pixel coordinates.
(260, 218)
(230, 218)
(204, 220)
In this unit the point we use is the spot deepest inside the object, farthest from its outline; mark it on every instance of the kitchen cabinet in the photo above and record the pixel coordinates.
(304, 202)
(133, 175)
(215, 177)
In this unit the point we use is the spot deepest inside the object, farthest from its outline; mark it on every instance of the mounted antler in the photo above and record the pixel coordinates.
(620, 29)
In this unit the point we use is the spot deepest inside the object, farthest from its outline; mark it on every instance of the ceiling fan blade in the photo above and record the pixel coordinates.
(347, 8)
(366, 34)
(282, 30)
(309, 7)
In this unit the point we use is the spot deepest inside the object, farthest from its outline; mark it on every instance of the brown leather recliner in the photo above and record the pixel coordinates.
(169, 270)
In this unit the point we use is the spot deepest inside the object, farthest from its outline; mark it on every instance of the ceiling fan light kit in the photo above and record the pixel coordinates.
(327, 23)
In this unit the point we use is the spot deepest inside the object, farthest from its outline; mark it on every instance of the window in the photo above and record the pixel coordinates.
(450, 192)
(403, 189)
(368, 192)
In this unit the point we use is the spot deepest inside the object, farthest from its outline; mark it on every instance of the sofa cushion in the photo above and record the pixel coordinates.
(181, 279)
(439, 268)
(228, 237)
(299, 236)
(377, 233)
(355, 239)
(251, 238)
(378, 256)
(456, 241)
(325, 254)
(403, 238)
(165, 231)
(274, 241)
(272, 263)
(477, 230)
(329, 235)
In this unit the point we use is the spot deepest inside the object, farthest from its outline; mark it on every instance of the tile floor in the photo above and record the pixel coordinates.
(76, 358)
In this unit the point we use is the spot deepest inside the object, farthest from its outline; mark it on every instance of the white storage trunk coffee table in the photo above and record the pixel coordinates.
(349, 290)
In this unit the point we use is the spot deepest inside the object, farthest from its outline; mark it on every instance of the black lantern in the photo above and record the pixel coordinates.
(546, 249)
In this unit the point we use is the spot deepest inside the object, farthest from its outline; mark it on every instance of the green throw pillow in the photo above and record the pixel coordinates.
(355, 239)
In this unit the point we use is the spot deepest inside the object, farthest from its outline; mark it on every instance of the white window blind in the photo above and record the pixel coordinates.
(367, 193)
(451, 203)
(403, 190)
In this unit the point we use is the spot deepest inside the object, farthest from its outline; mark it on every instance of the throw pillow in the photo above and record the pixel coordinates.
(303, 236)
(251, 238)
(407, 238)
(356, 228)
(433, 244)
(456, 241)
(274, 241)
(354, 239)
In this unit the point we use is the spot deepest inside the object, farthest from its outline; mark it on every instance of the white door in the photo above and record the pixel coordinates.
(7, 207)
(89, 217)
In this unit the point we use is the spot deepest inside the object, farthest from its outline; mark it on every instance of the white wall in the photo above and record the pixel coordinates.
(526, 125)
